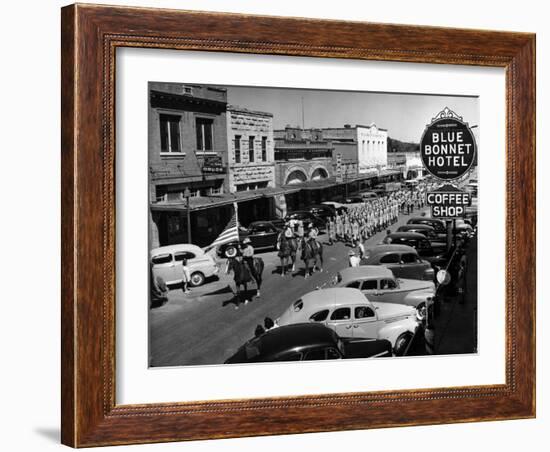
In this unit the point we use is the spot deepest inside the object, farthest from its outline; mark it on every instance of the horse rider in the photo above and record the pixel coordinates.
(312, 231)
(248, 253)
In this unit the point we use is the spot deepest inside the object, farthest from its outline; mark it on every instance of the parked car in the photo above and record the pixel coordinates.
(306, 217)
(338, 206)
(424, 229)
(262, 234)
(322, 211)
(166, 262)
(368, 196)
(402, 260)
(380, 285)
(350, 313)
(426, 250)
(439, 226)
(354, 200)
(307, 342)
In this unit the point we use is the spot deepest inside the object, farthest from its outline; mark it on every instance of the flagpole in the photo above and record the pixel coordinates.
(236, 207)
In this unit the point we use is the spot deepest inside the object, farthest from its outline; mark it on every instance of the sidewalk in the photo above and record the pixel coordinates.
(456, 326)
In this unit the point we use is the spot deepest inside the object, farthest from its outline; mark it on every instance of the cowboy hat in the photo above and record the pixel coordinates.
(247, 240)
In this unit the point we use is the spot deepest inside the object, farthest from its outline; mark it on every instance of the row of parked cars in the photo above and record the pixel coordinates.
(374, 309)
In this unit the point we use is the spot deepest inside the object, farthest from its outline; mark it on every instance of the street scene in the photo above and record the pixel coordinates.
(335, 238)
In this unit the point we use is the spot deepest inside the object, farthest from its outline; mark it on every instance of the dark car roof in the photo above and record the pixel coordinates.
(322, 207)
(391, 248)
(299, 212)
(407, 227)
(407, 235)
(284, 338)
(261, 223)
(415, 220)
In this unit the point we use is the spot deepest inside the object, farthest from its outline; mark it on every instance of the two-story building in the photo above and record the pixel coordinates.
(251, 166)
(187, 142)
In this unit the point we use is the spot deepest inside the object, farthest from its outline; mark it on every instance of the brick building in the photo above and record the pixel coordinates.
(187, 143)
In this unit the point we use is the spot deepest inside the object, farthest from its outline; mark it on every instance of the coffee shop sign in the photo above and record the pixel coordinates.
(448, 146)
(448, 202)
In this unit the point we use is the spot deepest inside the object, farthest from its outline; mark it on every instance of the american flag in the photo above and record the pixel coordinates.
(230, 233)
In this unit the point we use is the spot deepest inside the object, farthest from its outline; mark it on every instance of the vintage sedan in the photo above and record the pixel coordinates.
(434, 252)
(307, 342)
(350, 314)
(323, 211)
(262, 234)
(380, 285)
(439, 226)
(424, 229)
(402, 260)
(166, 262)
(306, 217)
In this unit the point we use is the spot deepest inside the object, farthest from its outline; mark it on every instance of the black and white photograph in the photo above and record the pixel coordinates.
(292, 224)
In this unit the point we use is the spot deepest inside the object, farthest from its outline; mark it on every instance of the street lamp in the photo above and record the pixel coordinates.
(187, 195)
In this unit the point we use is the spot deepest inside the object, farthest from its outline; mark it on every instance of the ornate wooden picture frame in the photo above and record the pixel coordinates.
(90, 37)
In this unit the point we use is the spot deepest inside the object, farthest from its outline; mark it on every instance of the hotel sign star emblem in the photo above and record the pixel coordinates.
(448, 146)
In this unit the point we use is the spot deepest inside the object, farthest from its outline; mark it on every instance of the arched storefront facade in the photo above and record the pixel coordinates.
(295, 176)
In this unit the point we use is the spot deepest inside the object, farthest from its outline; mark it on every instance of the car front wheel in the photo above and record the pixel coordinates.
(197, 279)
(231, 251)
(402, 343)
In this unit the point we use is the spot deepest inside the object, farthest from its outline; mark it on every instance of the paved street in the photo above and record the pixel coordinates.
(208, 325)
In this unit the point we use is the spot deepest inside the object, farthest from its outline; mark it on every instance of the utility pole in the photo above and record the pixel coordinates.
(303, 120)
(187, 195)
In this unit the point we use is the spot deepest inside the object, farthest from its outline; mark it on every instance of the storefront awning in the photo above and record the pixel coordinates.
(207, 202)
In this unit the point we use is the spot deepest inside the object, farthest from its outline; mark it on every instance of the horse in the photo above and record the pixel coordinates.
(243, 274)
(287, 247)
(312, 250)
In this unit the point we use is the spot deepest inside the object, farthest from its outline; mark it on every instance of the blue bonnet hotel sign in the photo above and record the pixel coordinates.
(448, 146)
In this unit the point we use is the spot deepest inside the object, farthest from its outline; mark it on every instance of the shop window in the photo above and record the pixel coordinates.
(170, 133)
(237, 149)
(204, 134)
(251, 149)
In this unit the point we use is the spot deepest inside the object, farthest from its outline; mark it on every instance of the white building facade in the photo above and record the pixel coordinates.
(372, 148)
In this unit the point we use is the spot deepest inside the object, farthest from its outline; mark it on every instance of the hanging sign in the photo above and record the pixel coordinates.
(448, 202)
(448, 146)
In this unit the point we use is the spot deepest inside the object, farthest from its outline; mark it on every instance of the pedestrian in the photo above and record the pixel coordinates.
(330, 230)
(354, 260)
(354, 233)
(312, 231)
(186, 276)
(300, 230)
(361, 248)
